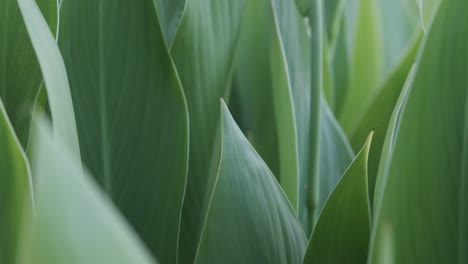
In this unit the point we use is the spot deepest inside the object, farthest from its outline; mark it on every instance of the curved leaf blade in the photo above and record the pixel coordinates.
(18, 61)
(15, 188)
(203, 51)
(131, 113)
(54, 74)
(74, 222)
(249, 219)
(342, 232)
(425, 179)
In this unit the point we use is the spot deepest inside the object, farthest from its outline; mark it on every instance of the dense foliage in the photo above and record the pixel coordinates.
(233, 131)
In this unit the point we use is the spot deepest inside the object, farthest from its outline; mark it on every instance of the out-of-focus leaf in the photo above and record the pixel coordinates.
(74, 221)
(425, 183)
(249, 219)
(169, 13)
(400, 23)
(366, 62)
(333, 15)
(53, 72)
(20, 75)
(427, 10)
(203, 50)
(342, 232)
(131, 114)
(15, 188)
(253, 81)
(335, 154)
(378, 113)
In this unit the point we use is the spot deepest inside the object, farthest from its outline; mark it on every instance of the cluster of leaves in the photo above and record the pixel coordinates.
(116, 148)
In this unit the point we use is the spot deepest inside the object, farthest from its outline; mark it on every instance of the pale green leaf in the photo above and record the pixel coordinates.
(424, 185)
(249, 219)
(74, 222)
(54, 74)
(20, 75)
(366, 61)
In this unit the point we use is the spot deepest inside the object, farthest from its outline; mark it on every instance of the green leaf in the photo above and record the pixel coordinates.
(203, 51)
(335, 154)
(15, 188)
(379, 110)
(426, 178)
(131, 114)
(54, 74)
(169, 13)
(253, 81)
(74, 221)
(366, 62)
(342, 232)
(249, 219)
(291, 98)
(20, 75)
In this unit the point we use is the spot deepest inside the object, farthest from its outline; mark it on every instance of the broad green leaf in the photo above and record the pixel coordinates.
(131, 114)
(15, 188)
(249, 219)
(74, 222)
(252, 92)
(366, 61)
(20, 75)
(53, 72)
(342, 232)
(378, 113)
(203, 51)
(426, 176)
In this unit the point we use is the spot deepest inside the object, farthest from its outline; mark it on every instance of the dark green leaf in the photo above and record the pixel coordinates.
(131, 114)
(342, 232)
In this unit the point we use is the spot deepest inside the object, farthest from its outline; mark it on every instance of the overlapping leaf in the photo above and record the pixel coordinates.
(203, 51)
(249, 219)
(130, 111)
(15, 188)
(20, 75)
(74, 221)
(425, 184)
(342, 232)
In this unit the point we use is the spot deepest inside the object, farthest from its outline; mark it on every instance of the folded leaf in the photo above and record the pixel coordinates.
(74, 222)
(249, 219)
(342, 232)
(203, 51)
(20, 74)
(15, 188)
(131, 114)
(426, 178)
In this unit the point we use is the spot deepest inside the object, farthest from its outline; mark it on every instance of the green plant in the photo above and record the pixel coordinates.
(117, 146)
